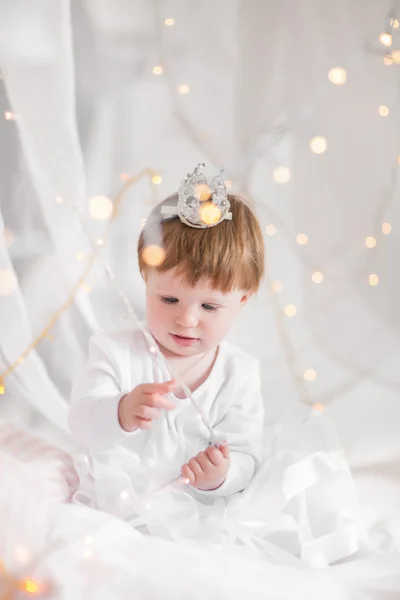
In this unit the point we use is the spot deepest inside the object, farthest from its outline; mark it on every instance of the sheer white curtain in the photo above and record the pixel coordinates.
(86, 107)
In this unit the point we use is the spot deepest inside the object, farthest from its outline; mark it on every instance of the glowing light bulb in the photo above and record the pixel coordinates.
(302, 239)
(80, 256)
(373, 279)
(395, 23)
(202, 192)
(388, 60)
(276, 287)
(396, 56)
(59, 200)
(184, 89)
(100, 208)
(8, 282)
(290, 310)
(124, 495)
(31, 587)
(337, 76)
(317, 277)
(210, 214)
(270, 230)
(124, 176)
(8, 115)
(2, 390)
(100, 242)
(383, 110)
(153, 255)
(169, 22)
(157, 70)
(318, 144)
(386, 228)
(156, 179)
(370, 242)
(318, 407)
(385, 39)
(310, 375)
(281, 174)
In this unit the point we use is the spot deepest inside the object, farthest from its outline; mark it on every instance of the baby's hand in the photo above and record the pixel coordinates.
(137, 409)
(208, 470)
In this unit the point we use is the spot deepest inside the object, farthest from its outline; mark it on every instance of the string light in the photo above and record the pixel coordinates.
(386, 228)
(302, 239)
(124, 176)
(100, 208)
(153, 255)
(184, 89)
(8, 282)
(337, 76)
(317, 277)
(385, 39)
(8, 115)
(156, 179)
(373, 279)
(395, 23)
(370, 242)
(158, 70)
(100, 242)
(281, 174)
(270, 230)
(318, 144)
(310, 375)
(396, 56)
(290, 310)
(203, 192)
(318, 407)
(169, 22)
(210, 213)
(383, 110)
(388, 60)
(81, 283)
(276, 287)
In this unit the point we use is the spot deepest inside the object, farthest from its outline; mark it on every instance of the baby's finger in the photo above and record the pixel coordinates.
(158, 388)
(204, 460)
(144, 423)
(147, 412)
(195, 467)
(215, 456)
(224, 448)
(157, 401)
(187, 473)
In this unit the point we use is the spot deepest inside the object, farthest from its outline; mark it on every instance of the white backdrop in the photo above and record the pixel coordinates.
(83, 112)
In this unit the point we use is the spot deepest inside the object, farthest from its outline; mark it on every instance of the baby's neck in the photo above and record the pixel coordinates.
(191, 370)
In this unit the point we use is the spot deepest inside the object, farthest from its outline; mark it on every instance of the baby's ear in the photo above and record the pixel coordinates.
(244, 299)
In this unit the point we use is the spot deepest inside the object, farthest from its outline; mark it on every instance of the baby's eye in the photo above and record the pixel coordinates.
(209, 307)
(169, 300)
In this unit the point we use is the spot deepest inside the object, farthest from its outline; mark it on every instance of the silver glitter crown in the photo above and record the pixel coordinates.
(201, 203)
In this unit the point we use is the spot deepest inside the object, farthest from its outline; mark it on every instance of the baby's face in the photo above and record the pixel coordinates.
(189, 320)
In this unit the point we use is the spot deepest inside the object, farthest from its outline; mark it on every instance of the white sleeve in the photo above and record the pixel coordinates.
(242, 427)
(93, 415)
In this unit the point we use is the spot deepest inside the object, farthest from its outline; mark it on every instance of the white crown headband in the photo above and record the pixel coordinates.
(201, 203)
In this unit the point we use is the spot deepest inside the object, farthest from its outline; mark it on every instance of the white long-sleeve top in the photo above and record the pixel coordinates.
(230, 399)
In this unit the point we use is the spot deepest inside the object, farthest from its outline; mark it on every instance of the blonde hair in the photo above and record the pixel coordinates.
(230, 255)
